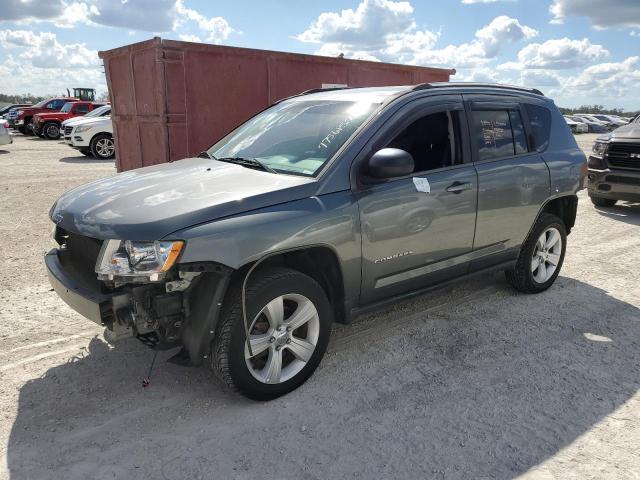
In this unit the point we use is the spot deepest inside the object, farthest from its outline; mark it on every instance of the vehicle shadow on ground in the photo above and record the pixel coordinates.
(83, 159)
(472, 391)
(4, 152)
(627, 212)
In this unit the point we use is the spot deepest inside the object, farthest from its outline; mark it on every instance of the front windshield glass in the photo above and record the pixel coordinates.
(296, 137)
(98, 111)
(67, 107)
(41, 103)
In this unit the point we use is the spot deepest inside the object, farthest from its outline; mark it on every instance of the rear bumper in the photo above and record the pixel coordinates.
(618, 184)
(96, 306)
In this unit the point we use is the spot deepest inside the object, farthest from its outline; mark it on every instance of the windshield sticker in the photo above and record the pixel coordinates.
(422, 184)
(326, 141)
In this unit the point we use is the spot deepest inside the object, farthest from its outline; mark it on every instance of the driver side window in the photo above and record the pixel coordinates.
(432, 141)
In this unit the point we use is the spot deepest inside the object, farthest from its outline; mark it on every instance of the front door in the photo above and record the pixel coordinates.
(418, 230)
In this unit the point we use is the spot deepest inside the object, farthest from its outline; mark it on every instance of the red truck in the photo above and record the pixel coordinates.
(48, 124)
(24, 116)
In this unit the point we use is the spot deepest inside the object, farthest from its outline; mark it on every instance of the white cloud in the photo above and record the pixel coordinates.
(386, 30)
(43, 50)
(468, 2)
(217, 29)
(189, 38)
(560, 53)
(603, 14)
(156, 16)
(54, 81)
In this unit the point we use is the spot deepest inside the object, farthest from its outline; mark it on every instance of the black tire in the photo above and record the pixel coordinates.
(22, 130)
(522, 276)
(602, 202)
(228, 348)
(28, 127)
(86, 152)
(97, 149)
(50, 130)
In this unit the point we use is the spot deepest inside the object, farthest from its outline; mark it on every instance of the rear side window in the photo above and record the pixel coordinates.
(83, 108)
(540, 121)
(494, 137)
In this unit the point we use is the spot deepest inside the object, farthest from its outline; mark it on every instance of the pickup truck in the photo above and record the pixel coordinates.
(614, 166)
(323, 206)
(48, 124)
(23, 117)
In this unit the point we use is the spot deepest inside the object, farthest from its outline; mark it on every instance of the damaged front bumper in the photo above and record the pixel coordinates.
(181, 311)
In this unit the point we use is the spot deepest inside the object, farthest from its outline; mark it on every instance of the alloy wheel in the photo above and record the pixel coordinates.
(546, 255)
(283, 337)
(105, 147)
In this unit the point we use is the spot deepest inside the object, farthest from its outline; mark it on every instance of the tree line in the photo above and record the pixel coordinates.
(598, 109)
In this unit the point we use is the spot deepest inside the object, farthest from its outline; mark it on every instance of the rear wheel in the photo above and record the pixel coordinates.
(289, 321)
(103, 147)
(602, 202)
(541, 256)
(51, 130)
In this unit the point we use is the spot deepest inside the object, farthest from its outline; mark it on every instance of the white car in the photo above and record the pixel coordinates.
(5, 136)
(67, 125)
(576, 127)
(94, 136)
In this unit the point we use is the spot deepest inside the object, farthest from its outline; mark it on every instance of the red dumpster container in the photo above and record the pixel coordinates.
(174, 99)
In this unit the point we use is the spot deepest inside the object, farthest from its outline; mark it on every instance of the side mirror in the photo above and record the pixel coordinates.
(390, 163)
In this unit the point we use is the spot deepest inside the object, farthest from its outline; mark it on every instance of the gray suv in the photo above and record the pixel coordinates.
(323, 206)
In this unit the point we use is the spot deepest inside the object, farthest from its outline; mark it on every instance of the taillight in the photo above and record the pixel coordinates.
(5, 124)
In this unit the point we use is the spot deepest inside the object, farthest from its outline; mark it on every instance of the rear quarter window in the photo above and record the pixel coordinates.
(540, 122)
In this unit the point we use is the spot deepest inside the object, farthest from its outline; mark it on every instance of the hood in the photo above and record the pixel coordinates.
(152, 202)
(45, 115)
(628, 131)
(84, 121)
(79, 120)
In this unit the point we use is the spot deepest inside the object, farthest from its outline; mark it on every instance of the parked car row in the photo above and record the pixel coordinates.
(595, 123)
(84, 123)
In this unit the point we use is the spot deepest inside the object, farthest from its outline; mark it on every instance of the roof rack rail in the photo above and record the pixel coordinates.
(313, 90)
(425, 86)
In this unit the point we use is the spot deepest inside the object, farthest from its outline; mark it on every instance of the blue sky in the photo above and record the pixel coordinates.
(576, 51)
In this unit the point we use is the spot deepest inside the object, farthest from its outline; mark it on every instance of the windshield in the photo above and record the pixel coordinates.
(98, 111)
(296, 137)
(41, 104)
(67, 107)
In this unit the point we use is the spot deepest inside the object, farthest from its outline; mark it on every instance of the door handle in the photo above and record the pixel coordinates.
(457, 187)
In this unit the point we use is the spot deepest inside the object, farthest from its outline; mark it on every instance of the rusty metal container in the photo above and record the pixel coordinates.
(173, 99)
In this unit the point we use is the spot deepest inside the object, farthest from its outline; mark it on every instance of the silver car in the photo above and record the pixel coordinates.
(5, 137)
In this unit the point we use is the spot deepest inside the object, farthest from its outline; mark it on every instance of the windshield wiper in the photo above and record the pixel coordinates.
(204, 154)
(248, 162)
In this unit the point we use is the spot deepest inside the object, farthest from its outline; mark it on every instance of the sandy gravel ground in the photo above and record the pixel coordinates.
(473, 381)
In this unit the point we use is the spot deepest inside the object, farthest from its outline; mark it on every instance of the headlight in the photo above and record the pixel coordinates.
(127, 258)
(599, 148)
(82, 129)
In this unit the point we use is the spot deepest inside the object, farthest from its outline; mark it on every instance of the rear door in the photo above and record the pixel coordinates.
(418, 230)
(513, 179)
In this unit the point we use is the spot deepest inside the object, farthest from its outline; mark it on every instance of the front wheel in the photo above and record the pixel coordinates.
(103, 147)
(289, 322)
(541, 256)
(51, 131)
